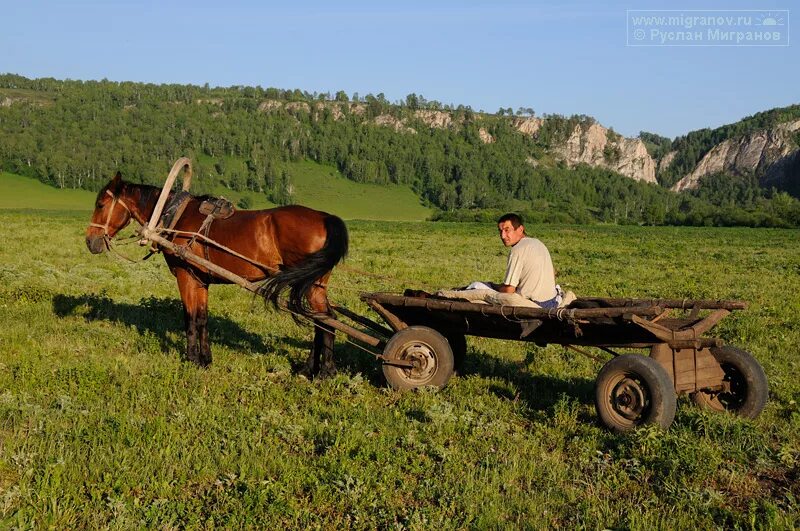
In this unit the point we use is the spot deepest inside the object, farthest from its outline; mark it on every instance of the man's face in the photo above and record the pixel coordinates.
(509, 234)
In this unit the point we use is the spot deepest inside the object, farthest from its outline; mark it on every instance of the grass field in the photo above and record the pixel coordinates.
(324, 188)
(102, 425)
(317, 186)
(17, 192)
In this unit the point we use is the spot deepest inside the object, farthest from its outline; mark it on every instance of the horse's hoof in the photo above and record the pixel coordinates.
(200, 362)
(306, 371)
(327, 372)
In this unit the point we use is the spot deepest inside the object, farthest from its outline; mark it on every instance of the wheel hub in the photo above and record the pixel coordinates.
(421, 357)
(629, 399)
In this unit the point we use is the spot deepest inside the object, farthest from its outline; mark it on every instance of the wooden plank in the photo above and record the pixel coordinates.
(684, 304)
(709, 373)
(709, 322)
(511, 312)
(350, 331)
(364, 321)
(685, 376)
(662, 353)
(395, 322)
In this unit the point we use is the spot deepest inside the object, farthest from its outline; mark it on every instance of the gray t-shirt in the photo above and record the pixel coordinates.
(530, 270)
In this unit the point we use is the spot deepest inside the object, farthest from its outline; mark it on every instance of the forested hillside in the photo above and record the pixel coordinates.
(690, 148)
(467, 164)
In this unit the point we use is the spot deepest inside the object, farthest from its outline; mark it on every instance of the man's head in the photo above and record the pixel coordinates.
(511, 229)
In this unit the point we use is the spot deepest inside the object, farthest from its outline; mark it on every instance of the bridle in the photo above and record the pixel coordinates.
(114, 201)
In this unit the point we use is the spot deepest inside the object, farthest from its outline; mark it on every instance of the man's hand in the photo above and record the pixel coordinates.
(505, 288)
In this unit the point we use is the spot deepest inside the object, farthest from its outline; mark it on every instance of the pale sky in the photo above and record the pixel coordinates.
(567, 58)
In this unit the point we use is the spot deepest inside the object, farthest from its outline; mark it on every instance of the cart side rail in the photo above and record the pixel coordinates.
(511, 312)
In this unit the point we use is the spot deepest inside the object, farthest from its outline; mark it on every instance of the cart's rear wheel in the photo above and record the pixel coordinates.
(747, 388)
(632, 390)
(427, 350)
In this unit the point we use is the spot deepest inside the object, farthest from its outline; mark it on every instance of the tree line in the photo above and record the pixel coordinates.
(75, 134)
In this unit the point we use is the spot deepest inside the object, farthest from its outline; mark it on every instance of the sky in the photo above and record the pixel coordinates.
(568, 58)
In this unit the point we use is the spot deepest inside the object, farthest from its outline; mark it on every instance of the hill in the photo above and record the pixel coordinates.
(753, 144)
(17, 192)
(316, 186)
(462, 163)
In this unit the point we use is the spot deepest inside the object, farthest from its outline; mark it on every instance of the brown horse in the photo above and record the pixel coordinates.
(292, 248)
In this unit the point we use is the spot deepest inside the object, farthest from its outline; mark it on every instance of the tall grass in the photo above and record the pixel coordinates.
(103, 425)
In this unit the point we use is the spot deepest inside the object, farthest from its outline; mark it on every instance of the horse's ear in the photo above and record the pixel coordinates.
(116, 183)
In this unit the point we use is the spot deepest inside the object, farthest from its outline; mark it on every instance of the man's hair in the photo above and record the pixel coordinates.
(515, 219)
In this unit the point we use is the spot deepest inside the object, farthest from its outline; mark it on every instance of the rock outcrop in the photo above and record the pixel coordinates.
(486, 136)
(298, 106)
(528, 126)
(666, 160)
(387, 120)
(269, 105)
(597, 146)
(766, 153)
(435, 119)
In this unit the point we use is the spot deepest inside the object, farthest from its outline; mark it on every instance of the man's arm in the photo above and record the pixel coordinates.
(513, 270)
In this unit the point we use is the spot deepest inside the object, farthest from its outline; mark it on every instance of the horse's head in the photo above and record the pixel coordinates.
(110, 215)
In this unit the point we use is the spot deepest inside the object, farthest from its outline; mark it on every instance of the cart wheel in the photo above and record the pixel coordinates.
(748, 391)
(633, 390)
(427, 350)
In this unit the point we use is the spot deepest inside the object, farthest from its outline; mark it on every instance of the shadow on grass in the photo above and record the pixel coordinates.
(351, 359)
(159, 316)
(541, 392)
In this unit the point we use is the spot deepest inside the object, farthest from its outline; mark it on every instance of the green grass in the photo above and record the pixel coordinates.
(19, 192)
(102, 425)
(317, 186)
(324, 188)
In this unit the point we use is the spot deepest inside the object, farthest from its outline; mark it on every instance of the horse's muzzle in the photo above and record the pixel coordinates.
(96, 244)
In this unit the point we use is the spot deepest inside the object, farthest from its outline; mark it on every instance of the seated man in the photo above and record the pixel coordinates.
(530, 278)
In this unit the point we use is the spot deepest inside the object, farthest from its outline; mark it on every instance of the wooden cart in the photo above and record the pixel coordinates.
(426, 339)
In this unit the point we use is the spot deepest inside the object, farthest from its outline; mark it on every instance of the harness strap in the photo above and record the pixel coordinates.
(114, 202)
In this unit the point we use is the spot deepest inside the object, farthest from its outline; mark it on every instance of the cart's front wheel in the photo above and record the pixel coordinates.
(632, 390)
(428, 353)
(746, 388)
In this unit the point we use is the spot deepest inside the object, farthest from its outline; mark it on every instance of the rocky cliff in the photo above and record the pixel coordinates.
(767, 153)
(597, 146)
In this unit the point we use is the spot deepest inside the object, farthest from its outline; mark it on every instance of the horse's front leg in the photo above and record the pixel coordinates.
(320, 360)
(194, 295)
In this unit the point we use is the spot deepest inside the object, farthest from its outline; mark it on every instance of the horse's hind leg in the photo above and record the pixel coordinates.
(194, 295)
(320, 360)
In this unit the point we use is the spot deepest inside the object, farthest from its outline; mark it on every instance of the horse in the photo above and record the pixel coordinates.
(292, 248)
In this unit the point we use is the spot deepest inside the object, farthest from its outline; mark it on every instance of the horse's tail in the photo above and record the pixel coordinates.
(300, 277)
